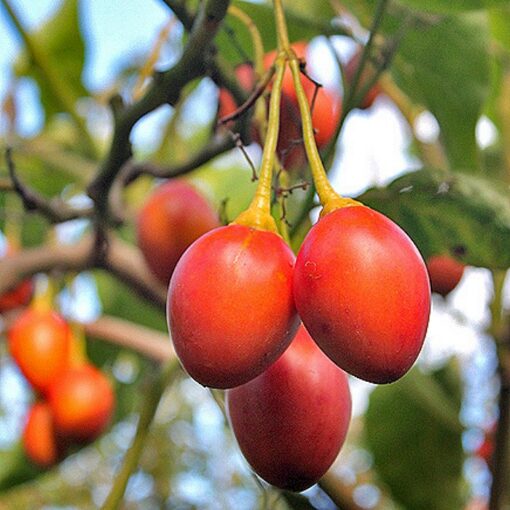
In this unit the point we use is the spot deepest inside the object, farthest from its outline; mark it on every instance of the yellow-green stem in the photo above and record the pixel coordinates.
(328, 197)
(258, 214)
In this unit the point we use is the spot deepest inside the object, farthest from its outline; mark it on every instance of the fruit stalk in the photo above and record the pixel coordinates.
(258, 214)
(328, 197)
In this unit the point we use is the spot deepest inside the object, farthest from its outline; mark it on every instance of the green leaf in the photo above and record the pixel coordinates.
(305, 20)
(498, 18)
(464, 215)
(442, 64)
(433, 68)
(448, 6)
(61, 41)
(413, 431)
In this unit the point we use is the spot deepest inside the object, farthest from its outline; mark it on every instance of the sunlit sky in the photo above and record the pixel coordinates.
(373, 150)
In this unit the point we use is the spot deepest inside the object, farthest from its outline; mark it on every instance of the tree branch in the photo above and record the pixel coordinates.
(165, 89)
(55, 209)
(216, 146)
(178, 7)
(123, 261)
(148, 342)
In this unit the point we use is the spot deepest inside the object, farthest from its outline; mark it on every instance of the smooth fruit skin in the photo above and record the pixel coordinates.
(82, 402)
(39, 342)
(291, 421)
(39, 439)
(230, 308)
(445, 273)
(172, 218)
(362, 291)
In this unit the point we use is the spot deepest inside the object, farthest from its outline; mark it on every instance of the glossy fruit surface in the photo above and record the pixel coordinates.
(350, 71)
(39, 342)
(230, 309)
(39, 439)
(362, 291)
(445, 273)
(82, 402)
(291, 421)
(172, 218)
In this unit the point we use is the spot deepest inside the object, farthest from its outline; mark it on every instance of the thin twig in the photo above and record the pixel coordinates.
(55, 210)
(216, 146)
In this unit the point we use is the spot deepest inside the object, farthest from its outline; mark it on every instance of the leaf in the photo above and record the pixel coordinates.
(464, 215)
(449, 6)
(60, 40)
(442, 64)
(417, 453)
(305, 20)
(498, 18)
(432, 69)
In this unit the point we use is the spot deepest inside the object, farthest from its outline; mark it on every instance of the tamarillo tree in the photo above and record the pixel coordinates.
(219, 284)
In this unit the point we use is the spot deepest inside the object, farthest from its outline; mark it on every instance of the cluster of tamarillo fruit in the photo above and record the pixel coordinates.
(75, 400)
(280, 332)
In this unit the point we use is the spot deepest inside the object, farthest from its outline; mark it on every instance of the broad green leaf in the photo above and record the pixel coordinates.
(457, 213)
(442, 64)
(499, 18)
(61, 42)
(448, 6)
(433, 69)
(413, 431)
(15, 467)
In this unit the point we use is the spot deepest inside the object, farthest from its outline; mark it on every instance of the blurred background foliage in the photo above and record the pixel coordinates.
(446, 93)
